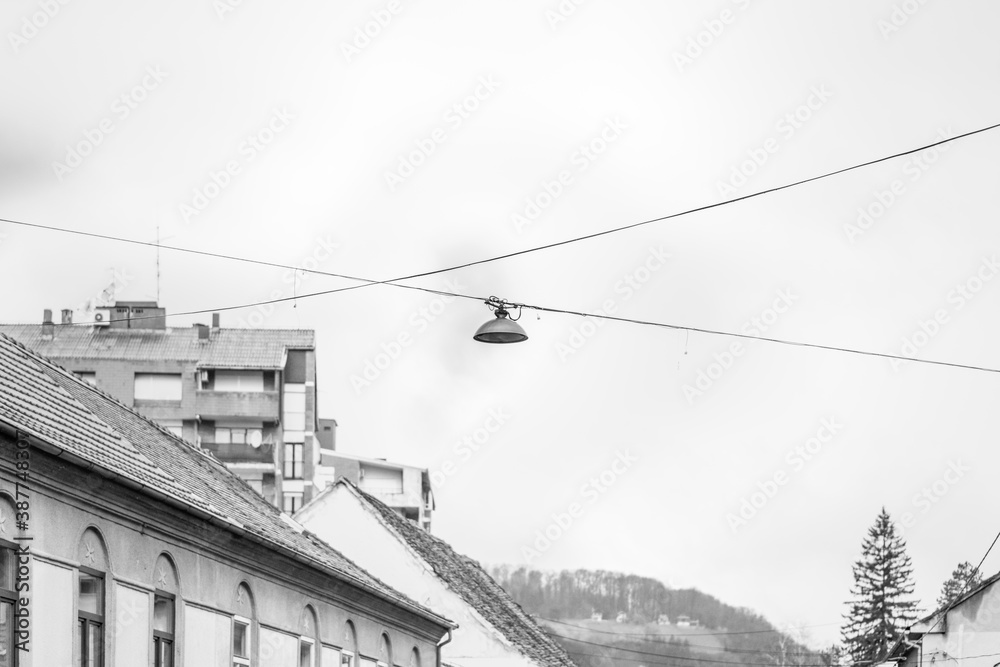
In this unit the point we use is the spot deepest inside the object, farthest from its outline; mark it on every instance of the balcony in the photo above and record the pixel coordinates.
(263, 405)
(240, 453)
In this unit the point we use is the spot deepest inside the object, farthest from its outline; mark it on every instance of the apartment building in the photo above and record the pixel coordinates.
(405, 489)
(129, 546)
(246, 395)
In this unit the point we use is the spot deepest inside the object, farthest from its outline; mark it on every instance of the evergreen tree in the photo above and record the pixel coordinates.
(963, 579)
(880, 607)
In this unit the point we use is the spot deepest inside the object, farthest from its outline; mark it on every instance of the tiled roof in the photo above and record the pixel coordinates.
(225, 348)
(49, 403)
(468, 579)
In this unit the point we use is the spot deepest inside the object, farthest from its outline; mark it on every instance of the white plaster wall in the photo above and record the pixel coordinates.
(972, 633)
(340, 519)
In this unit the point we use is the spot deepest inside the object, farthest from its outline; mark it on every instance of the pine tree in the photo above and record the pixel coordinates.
(880, 607)
(963, 579)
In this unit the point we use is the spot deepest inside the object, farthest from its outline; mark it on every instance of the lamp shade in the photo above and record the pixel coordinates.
(500, 330)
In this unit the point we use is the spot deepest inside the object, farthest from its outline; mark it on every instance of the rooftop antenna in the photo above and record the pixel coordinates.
(157, 263)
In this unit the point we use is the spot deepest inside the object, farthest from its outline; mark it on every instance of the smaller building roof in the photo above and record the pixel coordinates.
(467, 578)
(224, 348)
(87, 427)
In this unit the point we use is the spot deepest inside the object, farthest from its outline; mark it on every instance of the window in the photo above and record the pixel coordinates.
(384, 651)
(294, 417)
(157, 387)
(291, 502)
(175, 426)
(90, 626)
(239, 436)
(90, 377)
(249, 381)
(241, 642)
(305, 652)
(350, 646)
(163, 629)
(8, 606)
(293, 460)
(381, 480)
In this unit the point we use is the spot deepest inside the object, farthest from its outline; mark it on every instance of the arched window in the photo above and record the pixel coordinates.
(414, 658)
(384, 651)
(164, 611)
(350, 650)
(309, 639)
(90, 598)
(243, 626)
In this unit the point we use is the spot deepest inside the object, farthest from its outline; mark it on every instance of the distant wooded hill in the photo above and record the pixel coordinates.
(565, 602)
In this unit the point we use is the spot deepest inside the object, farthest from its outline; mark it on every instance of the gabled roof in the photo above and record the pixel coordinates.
(90, 428)
(935, 616)
(467, 578)
(934, 620)
(224, 348)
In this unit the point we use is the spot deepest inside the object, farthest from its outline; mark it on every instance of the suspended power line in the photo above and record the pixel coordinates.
(392, 281)
(686, 634)
(968, 581)
(679, 657)
(708, 660)
(395, 282)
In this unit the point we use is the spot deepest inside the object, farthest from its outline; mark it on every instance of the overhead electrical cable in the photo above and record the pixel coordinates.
(774, 664)
(717, 662)
(679, 657)
(687, 634)
(968, 581)
(670, 636)
(393, 281)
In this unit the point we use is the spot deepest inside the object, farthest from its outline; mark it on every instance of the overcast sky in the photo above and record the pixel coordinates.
(386, 138)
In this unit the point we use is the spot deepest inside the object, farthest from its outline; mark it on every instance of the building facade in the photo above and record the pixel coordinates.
(493, 630)
(246, 395)
(123, 545)
(965, 632)
(406, 489)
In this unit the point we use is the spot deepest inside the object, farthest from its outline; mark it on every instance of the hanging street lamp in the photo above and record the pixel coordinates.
(502, 329)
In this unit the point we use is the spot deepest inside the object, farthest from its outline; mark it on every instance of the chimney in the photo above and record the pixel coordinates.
(215, 320)
(67, 316)
(202, 331)
(48, 327)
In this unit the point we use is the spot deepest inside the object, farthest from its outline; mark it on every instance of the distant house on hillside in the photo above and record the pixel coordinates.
(596, 616)
(621, 617)
(663, 619)
(967, 632)
(687, 622)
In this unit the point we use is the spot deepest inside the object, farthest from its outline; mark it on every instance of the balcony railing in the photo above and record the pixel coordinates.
(228, 452)
(262, 405)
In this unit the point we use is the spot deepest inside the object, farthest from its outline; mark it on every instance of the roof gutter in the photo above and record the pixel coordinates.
(231, 526)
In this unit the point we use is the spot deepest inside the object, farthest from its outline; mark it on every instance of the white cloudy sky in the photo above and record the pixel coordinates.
(859, 79)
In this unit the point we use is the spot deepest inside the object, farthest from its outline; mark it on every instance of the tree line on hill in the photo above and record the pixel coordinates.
(749, 639)
(880, 608)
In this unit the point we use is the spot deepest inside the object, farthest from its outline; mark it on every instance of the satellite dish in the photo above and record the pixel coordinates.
(254, 438)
